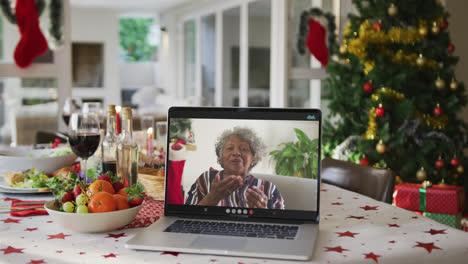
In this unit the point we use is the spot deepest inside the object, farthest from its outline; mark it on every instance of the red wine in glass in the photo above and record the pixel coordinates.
(84, 144)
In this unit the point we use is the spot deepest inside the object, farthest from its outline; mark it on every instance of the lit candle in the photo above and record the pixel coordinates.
(149, 141)
(117, 118)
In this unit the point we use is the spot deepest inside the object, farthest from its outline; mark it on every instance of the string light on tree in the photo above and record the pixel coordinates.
(435, 29)
(420, 61)
(439, 83)
(422, 30)
(392, 10)
(439, 164)
(438, 110)
(380, 111)
(380, 147)
(368, 87)
(421, 174)
(453, 85)
(364, 161)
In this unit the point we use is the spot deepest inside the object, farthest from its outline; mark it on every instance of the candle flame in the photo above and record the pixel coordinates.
(117, 108)
(150, 130)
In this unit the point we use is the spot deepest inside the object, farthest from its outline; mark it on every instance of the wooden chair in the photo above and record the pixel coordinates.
(369, 181)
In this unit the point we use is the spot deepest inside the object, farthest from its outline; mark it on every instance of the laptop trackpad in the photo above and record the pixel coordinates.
(219, 243)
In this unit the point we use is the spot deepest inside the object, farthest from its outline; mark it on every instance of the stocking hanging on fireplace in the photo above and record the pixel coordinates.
(32, 42)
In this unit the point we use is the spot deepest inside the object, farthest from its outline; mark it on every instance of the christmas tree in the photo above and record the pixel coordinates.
(393, 94)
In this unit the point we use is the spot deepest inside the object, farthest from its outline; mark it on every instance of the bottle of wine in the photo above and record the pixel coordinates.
(109, 143)
(127, 151)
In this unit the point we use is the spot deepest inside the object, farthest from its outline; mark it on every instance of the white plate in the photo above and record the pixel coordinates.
(5, 188)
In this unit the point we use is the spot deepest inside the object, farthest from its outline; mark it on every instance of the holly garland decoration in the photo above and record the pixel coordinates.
(55, 14)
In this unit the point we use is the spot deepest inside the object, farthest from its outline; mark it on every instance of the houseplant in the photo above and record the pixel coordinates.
(297, 158)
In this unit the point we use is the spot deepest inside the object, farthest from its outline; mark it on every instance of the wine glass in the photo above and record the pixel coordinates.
(84, 136)
(70, 105)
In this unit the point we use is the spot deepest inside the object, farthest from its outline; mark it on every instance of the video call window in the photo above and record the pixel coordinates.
(244, 163)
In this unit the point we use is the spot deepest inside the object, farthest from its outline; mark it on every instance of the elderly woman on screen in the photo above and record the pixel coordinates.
(238, 151)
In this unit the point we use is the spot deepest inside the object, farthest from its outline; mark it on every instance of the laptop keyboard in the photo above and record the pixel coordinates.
(233, 229)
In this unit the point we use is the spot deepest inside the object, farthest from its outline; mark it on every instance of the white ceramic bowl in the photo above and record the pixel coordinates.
(20, 159)
(92, 222)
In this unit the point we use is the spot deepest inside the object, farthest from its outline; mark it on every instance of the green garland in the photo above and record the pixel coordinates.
(55, 14)
(303, 29)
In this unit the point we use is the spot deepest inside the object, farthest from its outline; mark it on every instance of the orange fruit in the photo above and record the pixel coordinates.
(102, 202)
(121, 202)
(122, 192)
(100, 186)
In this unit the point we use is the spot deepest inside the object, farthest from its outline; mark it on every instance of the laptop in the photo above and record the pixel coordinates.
(235, 185)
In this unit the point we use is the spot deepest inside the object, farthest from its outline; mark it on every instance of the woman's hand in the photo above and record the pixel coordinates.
(221, 189)
(256, 198)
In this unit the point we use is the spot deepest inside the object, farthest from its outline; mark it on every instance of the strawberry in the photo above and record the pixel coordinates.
(67, 197)
(117, 186)
(135, 194)
(105, 177)
(77, 191)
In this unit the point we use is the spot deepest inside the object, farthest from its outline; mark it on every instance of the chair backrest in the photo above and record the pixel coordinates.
(369, 181)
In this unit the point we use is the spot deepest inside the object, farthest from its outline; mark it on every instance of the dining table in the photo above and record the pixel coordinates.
(353, 228)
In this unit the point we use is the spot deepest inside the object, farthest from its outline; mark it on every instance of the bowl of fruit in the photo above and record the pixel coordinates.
(95, 207)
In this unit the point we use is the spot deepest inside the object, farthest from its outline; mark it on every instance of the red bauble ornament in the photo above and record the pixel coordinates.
(444, 25)
(378, 26)
(439, 164)
(454, 161)
(451, 47)
(368, 87)
(438, 110)
(380, 111)
(364, 161)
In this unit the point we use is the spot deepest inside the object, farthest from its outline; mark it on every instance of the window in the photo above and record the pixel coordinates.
(138, 38)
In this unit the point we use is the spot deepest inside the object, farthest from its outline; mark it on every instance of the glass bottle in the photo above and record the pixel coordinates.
(109, 143)
(127, 151)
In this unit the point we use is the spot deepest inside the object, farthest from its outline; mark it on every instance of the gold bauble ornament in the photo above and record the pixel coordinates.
(422, 30)
(460, 169)
(435, 29)
(392, 10)
(380, 147)
(343, 49)
(439, 83)
(420, 61)
(453, 85)
(442, 182)
(421, 174)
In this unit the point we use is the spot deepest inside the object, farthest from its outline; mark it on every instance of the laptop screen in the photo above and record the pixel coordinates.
(243, 162)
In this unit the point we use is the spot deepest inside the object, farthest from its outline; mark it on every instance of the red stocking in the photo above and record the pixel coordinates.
(174, 181)
(32, 42)
(316, 42)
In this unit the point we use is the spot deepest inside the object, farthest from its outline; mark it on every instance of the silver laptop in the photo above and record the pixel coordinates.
(240, 182)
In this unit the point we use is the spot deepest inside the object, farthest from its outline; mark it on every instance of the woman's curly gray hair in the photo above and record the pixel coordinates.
(257, 147)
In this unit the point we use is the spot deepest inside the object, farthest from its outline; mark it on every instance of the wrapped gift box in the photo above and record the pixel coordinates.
(447, 219)
(440, 199)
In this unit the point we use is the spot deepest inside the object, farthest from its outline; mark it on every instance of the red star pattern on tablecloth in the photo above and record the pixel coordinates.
(31, 229)
(367, 207)
(58, 236)
(337, 203)
(324, 190)
(36, 261)
(346, 234)
(10, 220)
(356, 217)
(392, 241)
(213, 260)
(116, 235)
(338, 249)
(393, 225)
(111, 255)
(170, 253)
(435, 232)
(373, 256)
(415, 217)
(10, 249)
(59, 251)
(82, 253)
(428, 246)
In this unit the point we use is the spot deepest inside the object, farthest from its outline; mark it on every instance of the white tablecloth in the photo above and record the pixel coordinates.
(353, 229)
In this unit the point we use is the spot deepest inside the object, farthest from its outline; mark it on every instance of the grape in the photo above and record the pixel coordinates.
(81, 199)
(82, 209)
(69, 207)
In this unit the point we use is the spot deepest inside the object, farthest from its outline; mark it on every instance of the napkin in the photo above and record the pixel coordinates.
(148, 214)
(27, 212)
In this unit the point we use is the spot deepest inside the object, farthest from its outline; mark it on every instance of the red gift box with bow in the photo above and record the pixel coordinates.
(442, 199)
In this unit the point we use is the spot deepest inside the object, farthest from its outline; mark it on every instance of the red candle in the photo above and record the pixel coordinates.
(149, 141)
(117, 119)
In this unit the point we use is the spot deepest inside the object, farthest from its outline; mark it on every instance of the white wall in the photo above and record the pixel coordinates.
(99, 26)
(138, 74)
(206, 132)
